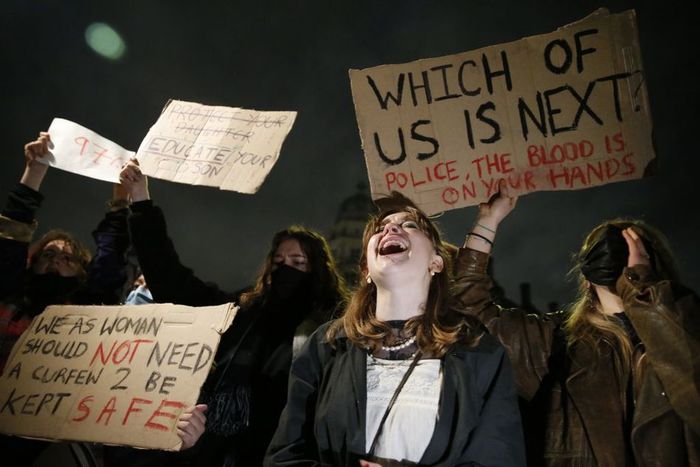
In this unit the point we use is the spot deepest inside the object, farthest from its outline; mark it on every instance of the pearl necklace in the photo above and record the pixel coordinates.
(403, 345)
(397, 362)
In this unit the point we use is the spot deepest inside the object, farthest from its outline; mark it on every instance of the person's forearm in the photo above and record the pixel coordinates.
(33, 175)
(482, 235)
(140, 193)
(22, 204)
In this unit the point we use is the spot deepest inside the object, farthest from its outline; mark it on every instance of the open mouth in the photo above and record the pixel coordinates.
(391, 247)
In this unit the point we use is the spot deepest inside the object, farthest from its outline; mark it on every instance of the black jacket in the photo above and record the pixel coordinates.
(19, 302)
(324, 420)
(253, 359)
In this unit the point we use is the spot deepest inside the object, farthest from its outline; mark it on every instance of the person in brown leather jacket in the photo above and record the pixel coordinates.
(613, 381)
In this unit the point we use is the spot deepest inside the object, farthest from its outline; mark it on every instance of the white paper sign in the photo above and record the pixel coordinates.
(225, 147)
(82, 151)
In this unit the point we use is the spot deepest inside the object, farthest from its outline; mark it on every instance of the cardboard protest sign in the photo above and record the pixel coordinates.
(82, 151)
(559, 111)
(111, 374)
(226, 147)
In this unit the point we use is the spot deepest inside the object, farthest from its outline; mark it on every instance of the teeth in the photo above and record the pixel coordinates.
(391, 247)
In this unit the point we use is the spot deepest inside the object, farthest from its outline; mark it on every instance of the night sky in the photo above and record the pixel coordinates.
(295, 56)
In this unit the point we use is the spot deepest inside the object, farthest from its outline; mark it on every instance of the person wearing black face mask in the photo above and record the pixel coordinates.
(613, 380)
(297, 289)
(55, 270)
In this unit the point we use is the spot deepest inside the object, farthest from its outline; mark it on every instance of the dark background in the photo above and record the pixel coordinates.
(295, 56)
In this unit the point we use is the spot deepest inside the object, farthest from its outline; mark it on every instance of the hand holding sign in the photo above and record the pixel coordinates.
(134, 181)
(498, 207)
(191, 425)
(35, 168)
(38, 149)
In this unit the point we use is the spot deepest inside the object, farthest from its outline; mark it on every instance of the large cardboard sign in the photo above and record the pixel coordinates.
(226, 147)
(111, 374)
(79, 150)
(560, 111)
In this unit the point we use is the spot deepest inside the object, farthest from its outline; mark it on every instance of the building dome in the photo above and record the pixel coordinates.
(356, 207)
(346, 234)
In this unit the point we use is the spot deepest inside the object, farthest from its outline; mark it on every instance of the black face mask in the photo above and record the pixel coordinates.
(51, 288)
(605, 261)
(288, 282)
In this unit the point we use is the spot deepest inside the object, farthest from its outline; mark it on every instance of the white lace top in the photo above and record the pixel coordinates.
(411, 422)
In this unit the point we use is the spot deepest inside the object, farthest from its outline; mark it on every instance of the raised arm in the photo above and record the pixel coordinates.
(490, 216)
(107, 270)
(473, 284)
(18, 219)
(167, 278)
(34, 170)
(666, 317)
(528, 339)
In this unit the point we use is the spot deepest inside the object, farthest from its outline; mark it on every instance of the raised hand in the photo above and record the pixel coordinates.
(498, 207)
(34, 170)
(38, 148)
(490, 216)
(134, 181)
(637, 253)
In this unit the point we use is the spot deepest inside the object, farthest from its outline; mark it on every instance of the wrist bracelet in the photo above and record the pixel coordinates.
(485, 228)
(490, 242)
(117, 204)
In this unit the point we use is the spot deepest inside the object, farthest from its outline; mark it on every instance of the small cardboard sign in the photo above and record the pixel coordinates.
(81, 151)
(225, 147)
(110, 374)
(560, 111)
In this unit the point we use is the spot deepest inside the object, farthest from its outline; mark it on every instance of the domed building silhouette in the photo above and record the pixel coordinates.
(345, 238)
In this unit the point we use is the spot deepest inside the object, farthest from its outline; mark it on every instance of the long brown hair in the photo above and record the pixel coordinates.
(328, 286)
(78, 249)
(587, 324)
(436, 329)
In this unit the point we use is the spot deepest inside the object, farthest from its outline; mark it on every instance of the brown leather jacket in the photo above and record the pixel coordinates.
(577, 410)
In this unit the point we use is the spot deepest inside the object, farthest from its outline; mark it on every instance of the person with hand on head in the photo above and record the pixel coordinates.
(402, 378)
(298, 288)
(613, 380)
